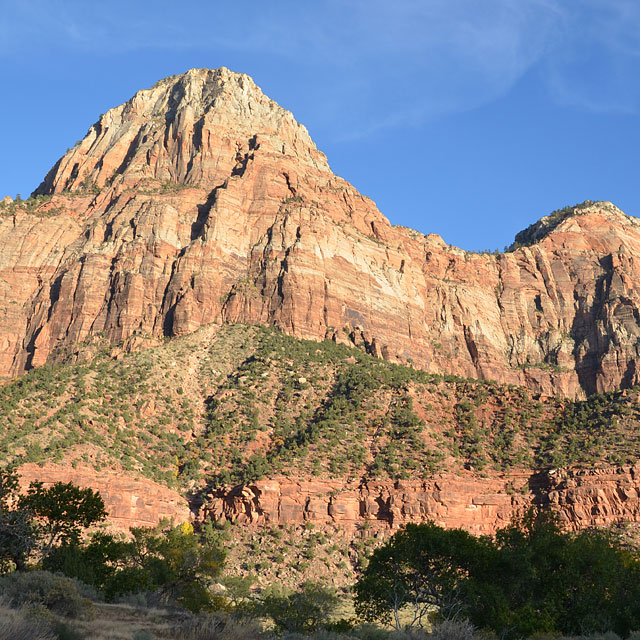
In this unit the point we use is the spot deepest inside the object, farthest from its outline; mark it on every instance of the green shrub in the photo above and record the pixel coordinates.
(59, 594)
(63, 631)
(302, 611)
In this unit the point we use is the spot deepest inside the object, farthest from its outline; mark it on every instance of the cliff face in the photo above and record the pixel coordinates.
(201, 200)
(128, 502)
(479, 504)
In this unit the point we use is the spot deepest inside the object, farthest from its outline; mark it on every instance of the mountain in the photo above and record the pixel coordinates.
(201, 200)
(197, 316)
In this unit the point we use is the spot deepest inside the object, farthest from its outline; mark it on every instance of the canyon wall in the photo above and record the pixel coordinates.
(585, 498)
(201, 200)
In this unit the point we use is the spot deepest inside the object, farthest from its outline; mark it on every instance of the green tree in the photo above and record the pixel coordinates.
(531, 578)
(302, 611)
(95, 562)
(554, 581)
(172, 562)
(61, 512)
(420, 568)
(238, 589)
(17, 530)
(42, 518)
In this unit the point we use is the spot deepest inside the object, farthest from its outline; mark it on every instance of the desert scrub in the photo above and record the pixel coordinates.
(259, 403)
(61, 595)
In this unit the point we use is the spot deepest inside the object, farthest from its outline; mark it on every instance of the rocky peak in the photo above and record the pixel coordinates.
(176, 132)
(587, 216)
(201, 201)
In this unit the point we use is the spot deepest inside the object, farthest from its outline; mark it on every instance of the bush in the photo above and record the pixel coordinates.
(158, 566)
(302, 611)
(609, 635)
(59, 594)
(453, 630)
(63, 631)
(174, 564)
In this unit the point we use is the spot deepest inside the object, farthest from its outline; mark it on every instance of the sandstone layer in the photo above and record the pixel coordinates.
(481, 505)
(129, 502)
(201, 200)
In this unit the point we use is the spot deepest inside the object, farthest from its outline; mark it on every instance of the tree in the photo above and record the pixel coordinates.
(420, 568)
(301, 611)
(173, 563)
(555, 581)
(95, 562)
(238, 589)
(61, 512)
(42, 518)
(531, 578)
(17, 530)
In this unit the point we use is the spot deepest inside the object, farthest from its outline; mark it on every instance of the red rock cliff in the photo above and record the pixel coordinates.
(129, 502)
(479, 504)
(202, 200)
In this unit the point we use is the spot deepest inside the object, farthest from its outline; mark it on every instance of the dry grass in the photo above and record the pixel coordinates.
(122, 622)
(20, 624)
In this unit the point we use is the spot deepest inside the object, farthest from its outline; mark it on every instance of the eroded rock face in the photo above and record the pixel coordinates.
(129, 502)
(582, 498)
(214, 205)
(479, 504)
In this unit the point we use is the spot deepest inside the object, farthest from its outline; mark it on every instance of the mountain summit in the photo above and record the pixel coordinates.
(201, 201)
(171, 133)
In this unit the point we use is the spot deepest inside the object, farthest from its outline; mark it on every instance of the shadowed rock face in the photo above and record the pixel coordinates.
(201, 200)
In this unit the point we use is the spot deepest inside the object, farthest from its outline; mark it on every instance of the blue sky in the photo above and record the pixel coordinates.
(467, 118)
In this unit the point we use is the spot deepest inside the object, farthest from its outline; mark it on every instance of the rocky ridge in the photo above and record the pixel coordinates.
(201, 200)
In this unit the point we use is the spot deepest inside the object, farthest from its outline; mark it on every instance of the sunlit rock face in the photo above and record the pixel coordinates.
(129, 502)
(201, 200)
(581, 499)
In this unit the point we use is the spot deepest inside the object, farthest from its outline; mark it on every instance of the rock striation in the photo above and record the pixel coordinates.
(201, 200)
(582, 498)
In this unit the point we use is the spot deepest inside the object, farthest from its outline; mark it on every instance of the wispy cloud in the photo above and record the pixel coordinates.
(370, 64)
(594, 66)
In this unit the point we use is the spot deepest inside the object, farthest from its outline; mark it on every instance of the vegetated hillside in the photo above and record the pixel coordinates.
(234, 403)
(229, 404)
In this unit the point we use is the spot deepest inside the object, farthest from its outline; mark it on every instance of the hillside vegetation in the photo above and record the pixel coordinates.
(235, 403)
